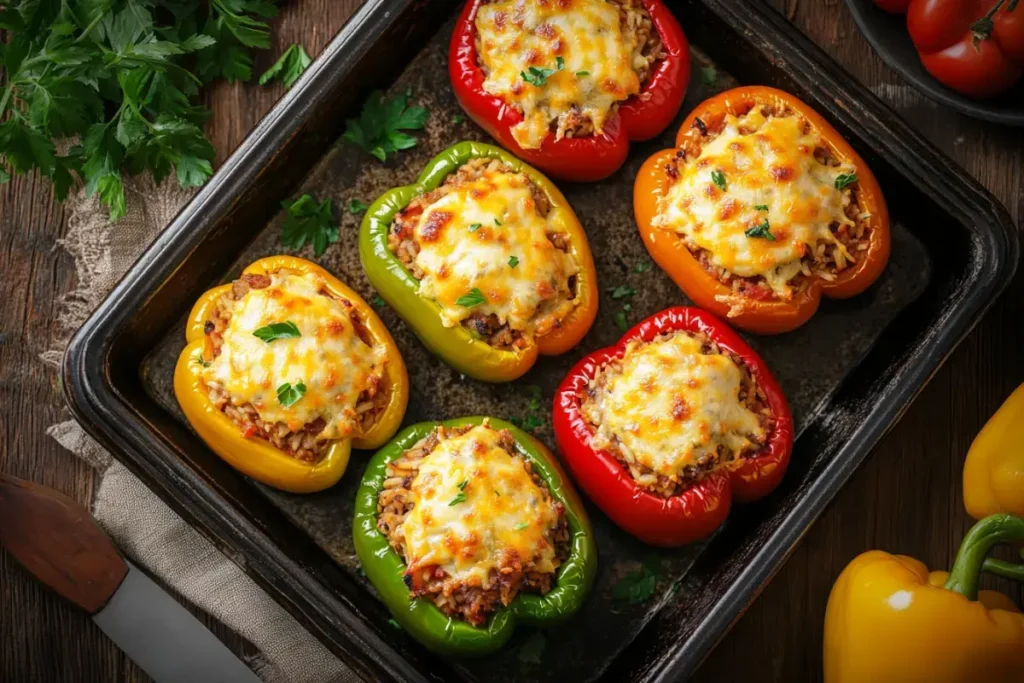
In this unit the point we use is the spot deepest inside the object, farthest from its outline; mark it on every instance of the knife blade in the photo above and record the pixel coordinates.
(56, 540)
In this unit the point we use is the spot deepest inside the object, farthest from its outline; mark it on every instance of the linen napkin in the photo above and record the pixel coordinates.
(141, 524)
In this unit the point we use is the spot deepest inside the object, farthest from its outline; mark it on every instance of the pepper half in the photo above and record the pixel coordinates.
(421, 618)
(255, 457)
(591, 157)
(699, 510)
(994, 470)
(889, 620)
(764, 316)
(456, 345)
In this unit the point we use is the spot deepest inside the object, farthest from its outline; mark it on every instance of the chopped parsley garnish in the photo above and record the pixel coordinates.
(537, 76)
(198, 359)
(844, 179)
(763, 231)
(520, 526)
(620, 321)
(642, 267)
(761, 207)
(394, 624)
(708, 75)
(532, 649)
(458, 118)
(357, 207)
(472, 298)
(497, 222)
(462, 484)
(309, 221)
(621, 292)
(718, 178)
(497, 493)
(627, 307)
(378, 130)
(288, 67)
(536, 394)
(474, 227)
(377, 300)
(289, 394)
(275, 331)
(533, 418)
(636, 587)
(461, 498)
(559, 62)
(513, 261)
(582, 73)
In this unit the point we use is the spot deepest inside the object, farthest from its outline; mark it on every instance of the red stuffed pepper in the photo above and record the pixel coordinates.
(666, 428)
(569, 101)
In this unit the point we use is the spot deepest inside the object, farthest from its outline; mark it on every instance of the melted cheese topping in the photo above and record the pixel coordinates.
(669, 405)
(514, 35)
(462, 247)
(329, 358)
(476, 509)
(774, 166)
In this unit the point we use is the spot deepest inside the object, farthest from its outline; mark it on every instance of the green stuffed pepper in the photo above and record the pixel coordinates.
(485, 260)
(435, 491)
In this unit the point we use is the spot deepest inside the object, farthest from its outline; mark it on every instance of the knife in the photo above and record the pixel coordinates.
(57, 540)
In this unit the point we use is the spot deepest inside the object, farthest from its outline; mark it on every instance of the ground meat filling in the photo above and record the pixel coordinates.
(470, 603)
(303, 444)
(403, 243)
(636, 24)
(826, 261)
(751, 396)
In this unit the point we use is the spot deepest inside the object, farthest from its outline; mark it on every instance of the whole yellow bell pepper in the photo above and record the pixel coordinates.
(256, 457)
(994, 471)
(890, 620)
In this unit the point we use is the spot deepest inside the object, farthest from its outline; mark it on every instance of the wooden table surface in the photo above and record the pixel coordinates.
(907, 498)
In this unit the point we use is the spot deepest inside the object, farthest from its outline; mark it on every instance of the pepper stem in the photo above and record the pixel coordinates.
(971, 560)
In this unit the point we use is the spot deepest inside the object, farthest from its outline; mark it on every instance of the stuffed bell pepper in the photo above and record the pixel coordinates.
(484, 258)
(467, 527)
(567, 85)
(286, 369)
(994, 470)
(762, 209)
(669, 426)
(889, 619)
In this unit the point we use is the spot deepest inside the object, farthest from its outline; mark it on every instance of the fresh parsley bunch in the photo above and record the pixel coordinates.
(123, 76)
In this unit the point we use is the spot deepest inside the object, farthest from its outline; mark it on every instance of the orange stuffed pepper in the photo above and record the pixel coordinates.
(285, 371)
(761, 209)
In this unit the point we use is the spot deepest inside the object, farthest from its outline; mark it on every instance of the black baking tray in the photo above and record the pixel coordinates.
(850, 373)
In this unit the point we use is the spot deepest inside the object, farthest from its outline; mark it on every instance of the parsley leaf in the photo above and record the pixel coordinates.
(288, 394)
(458, 118)
(394, 624)
(513, 261)
(708, 75)
(357, 207)
(761, 207)
(199, 360)
(497, 222)
(309, 221)
(636, 587)
(520, 526)
(288, 67)
(844, 179)
(620, 320)
(462, 484)
(642, 267)
(275, 331)
(472, 298)
(378, 130)
(378, 301)
(461, 498)
(559, 62)
(582, 73)
(537, 76)
(474, 227)
(763, 230)
(718, 178)
(531, 651)
(621, 292)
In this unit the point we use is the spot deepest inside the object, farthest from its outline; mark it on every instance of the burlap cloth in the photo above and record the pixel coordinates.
(145, 529)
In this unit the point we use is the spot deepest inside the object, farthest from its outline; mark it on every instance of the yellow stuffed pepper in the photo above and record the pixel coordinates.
(994, 471)
(285, 371)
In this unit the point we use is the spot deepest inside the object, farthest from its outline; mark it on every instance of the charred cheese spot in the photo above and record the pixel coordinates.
(586, 34)
(473, 537)
(774, 167)
(531, 297)
(692, 411)
(335, 365)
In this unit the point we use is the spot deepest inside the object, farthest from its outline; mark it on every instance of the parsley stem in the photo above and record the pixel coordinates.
(90, 27)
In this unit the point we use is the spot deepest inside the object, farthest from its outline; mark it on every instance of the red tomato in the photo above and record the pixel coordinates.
(975, 47)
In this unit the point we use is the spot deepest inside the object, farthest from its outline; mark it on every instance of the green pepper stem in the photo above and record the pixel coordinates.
(970, 560)
(1007, 570)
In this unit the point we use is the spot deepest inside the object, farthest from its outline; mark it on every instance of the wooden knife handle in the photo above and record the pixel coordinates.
(58, 541)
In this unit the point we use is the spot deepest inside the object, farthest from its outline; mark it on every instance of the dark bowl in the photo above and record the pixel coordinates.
(887, 33)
